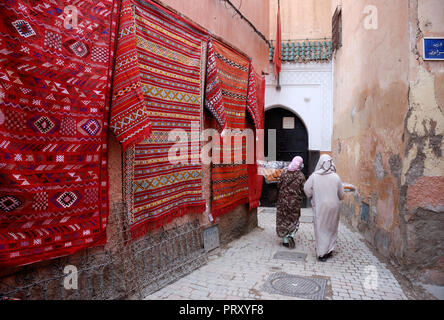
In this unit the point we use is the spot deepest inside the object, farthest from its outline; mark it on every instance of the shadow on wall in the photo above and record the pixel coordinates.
(123, 269)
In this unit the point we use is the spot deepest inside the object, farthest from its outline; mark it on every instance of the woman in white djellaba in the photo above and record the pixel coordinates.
(325, 189)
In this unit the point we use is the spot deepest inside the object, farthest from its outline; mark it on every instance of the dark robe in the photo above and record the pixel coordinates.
(290, 193)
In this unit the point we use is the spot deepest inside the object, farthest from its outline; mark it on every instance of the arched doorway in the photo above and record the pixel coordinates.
(291, 141)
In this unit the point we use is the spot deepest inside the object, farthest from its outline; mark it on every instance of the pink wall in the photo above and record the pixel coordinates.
(217, 17)
(301, 19)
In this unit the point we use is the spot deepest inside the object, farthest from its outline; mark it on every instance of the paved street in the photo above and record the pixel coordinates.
(240, 270)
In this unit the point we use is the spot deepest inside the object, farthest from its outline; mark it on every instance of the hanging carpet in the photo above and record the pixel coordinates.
(226, 99)
(162, 172)
(255, 106)
(55, 79)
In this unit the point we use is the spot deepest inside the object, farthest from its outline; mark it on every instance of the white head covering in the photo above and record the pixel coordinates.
(325, 165)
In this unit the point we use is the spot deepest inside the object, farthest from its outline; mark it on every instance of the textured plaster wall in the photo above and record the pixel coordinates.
(217, 17)
(301, 19)
(422, 177)
(388, 128)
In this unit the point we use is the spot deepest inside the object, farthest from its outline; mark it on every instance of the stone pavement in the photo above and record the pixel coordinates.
(239, 270)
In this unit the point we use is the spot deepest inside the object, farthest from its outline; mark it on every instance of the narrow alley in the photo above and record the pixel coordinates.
(161, 150)
(242, 269)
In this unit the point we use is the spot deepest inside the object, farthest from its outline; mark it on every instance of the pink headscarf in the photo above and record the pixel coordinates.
(296, 164)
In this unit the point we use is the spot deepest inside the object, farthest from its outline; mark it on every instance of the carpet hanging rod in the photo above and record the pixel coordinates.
(248, 21)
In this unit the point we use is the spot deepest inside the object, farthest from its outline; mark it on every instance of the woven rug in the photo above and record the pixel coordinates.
(130, 121)
(171, 57)
(256, 95)
(55, 79)
(226, 97)
(255, 106)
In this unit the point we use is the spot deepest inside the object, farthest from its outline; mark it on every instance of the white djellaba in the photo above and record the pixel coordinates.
(325, 189)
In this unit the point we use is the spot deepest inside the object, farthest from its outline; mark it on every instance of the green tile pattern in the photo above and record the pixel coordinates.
(303, 51)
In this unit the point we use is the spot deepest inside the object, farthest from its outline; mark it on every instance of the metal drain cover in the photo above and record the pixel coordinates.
(295, 286)
(211, 238)
(291, 256)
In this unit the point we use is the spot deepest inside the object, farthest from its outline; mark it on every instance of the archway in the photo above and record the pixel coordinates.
(291, 141)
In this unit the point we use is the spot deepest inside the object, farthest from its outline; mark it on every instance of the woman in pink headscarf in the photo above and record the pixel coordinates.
(290, 193)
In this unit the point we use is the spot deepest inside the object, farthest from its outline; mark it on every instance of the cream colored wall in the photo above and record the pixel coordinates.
(301, 19)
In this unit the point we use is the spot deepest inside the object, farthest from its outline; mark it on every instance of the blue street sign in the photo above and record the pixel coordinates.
(433, 48)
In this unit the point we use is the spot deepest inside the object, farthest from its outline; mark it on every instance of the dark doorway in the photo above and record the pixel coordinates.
(291, 141)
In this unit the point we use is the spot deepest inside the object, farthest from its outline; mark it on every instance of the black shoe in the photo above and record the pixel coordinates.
(323, 258)
(285, 244)
(291, 243)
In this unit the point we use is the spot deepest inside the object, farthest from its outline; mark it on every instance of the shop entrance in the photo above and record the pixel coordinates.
(291, 141)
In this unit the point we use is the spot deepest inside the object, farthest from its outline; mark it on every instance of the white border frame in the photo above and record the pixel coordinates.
(423, 49)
